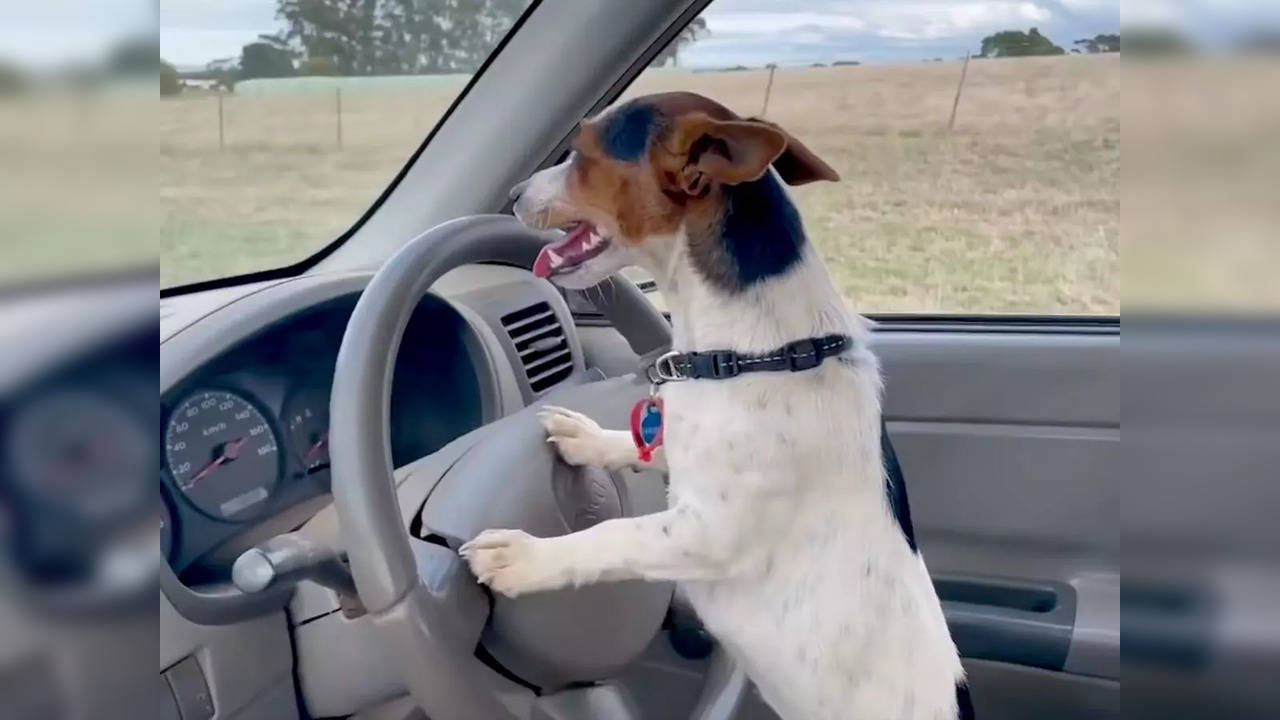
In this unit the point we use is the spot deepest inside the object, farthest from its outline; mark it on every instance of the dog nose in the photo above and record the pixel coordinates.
(518, 190)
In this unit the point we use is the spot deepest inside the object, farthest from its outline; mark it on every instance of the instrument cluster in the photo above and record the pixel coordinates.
(241, 447)
(226, 454)
(245, 440)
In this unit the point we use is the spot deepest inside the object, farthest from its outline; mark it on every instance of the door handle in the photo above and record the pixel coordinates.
(1024, 622)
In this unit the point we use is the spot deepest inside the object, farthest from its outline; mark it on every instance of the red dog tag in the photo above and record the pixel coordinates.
(646, 427)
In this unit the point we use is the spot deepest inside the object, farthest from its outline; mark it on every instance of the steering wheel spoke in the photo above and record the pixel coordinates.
(446, 581)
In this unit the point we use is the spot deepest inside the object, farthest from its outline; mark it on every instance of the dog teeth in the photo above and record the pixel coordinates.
(555, 259)
(594, 241)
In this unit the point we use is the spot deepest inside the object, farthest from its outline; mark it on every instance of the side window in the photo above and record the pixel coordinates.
(281, 122)
(980, 186)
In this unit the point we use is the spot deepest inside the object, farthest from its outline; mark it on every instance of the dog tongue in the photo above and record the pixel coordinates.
(559, 254)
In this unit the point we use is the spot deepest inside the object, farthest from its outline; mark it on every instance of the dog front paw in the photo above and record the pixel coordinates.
(513, 562)
(579, 439)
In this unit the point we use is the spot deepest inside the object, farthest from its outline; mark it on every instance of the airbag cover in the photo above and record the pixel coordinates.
(513, 479)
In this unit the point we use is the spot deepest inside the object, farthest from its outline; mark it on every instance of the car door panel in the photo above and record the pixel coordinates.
(1009, 442)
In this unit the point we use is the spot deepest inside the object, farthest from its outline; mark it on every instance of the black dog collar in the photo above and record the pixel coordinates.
(723, 364)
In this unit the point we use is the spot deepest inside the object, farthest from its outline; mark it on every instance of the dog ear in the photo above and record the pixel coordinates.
(728, 151)
(798, 164)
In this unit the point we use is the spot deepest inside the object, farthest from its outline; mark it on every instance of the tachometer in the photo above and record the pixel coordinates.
(306, 414)
(222, 454)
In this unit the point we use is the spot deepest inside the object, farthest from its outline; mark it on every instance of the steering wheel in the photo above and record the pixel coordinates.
(421, 598)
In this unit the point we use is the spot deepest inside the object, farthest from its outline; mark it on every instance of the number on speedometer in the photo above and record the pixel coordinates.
(222, 454)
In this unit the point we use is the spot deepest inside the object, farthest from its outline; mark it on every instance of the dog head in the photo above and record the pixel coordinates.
(649, 167)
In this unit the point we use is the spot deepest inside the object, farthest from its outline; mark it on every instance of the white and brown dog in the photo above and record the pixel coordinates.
(779, 528)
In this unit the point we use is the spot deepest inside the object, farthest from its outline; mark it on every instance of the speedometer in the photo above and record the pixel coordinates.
(222, 454)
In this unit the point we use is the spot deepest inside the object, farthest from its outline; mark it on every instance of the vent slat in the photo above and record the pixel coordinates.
(536, 381)
(537, 366)
(539, 319)
(559, 343)
(525, 337)
(541, 344)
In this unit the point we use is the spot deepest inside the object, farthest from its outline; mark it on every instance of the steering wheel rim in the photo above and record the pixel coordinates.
(420, 604)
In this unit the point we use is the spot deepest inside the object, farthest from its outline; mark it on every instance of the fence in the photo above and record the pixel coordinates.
(326, 112)
(315, 116)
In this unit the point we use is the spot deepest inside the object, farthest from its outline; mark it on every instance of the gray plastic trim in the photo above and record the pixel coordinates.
(190, 691)
(491, 304)
(248, 667)
(723, 691)
(598, 702)
(1095, 638)
(644, 332)
(187, 350)
(221, 604)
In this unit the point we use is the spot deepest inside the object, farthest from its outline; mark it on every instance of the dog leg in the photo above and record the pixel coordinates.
(675, 545)
(581, 441)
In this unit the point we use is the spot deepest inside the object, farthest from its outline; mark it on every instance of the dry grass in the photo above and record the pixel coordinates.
(1017, 210)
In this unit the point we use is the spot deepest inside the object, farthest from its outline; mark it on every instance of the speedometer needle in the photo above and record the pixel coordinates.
(230, 451)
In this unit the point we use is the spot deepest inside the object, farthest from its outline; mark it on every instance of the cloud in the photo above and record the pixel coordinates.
(951, 19)
(885, 18)
(755, 22)
(752, 32)
(193, 32)
(55, 32)
(755, 32)
(194, 47)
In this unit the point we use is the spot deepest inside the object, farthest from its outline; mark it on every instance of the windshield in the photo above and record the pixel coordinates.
(980, 168)
(282, 121)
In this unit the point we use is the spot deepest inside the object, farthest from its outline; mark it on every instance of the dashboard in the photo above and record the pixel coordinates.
(244, 433)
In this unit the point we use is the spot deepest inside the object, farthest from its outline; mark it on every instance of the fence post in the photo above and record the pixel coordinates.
(338, 103)
(222, 137)
(964, 70)
(767, 89)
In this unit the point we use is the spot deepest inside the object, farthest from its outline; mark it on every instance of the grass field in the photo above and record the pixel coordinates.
(1016, 210)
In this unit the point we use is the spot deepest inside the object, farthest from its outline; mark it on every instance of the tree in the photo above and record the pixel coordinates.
(395, 37)
(1015, 43)
(224, 71)
(318, 66)
(1099, 44)
(1263, 41)
(12, 79)
(1157, 42)
(688, 35)
(263, 60)
(169, 84)
(134, 56)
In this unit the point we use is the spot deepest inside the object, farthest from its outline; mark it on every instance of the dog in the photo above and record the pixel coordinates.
(779, 529)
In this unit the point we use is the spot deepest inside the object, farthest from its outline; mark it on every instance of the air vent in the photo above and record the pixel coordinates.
(541, 345)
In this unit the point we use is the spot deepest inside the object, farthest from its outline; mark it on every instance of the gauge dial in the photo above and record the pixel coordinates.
(82, 451)
(222, 454)
(307, 416)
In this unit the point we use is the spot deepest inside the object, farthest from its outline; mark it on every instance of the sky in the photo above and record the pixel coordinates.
(54, 32)
(795, 32)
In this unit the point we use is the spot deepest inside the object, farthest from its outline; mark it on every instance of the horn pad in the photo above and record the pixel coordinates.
(513, 478)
